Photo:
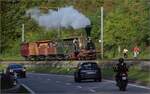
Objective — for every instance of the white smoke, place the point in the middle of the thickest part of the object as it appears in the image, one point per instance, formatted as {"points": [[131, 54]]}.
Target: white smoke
{"points": [[66, 17]]}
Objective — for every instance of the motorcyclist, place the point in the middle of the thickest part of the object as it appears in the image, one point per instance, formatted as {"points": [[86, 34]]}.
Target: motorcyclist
{"points": [[121, 67]]}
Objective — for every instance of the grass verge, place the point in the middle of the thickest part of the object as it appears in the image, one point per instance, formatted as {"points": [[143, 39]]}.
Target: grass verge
{"points": [[47, 69], [135, 74]]}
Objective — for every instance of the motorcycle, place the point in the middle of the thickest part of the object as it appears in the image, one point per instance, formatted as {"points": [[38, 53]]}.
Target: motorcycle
{"points": [[122, 81]]}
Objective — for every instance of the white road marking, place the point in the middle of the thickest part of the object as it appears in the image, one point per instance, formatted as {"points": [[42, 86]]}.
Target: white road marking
{"points": [[130, 84], [139, 86], [92, 90], [94, 87], [57, 81], [68, 83], [30, 90], [79, 86], [48, 79]]}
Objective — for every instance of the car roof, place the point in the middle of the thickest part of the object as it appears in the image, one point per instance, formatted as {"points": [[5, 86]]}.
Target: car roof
{"points": [[87, 62], [14, 65]]}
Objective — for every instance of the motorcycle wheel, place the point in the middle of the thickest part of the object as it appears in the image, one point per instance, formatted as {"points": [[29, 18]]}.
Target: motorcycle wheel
{"points": [[122, 86]]}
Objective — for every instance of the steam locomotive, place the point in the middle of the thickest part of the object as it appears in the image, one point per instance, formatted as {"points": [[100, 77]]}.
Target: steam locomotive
{"points": [[74, 48]]}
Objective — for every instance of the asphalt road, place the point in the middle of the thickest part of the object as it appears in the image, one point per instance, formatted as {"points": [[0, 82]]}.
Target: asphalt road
{"points": [[64, 84]]}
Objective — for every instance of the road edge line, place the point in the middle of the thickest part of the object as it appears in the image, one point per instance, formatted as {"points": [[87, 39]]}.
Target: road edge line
{"points": [[28, 89], [139, 86]]}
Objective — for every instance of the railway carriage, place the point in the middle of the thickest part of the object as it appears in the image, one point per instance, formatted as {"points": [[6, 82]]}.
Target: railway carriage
{"points": [[56, 50]]}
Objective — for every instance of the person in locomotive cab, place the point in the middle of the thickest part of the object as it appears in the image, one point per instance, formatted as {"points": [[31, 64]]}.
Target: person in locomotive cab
{"points": [[76, 46], [121, 67], [90, 44]]}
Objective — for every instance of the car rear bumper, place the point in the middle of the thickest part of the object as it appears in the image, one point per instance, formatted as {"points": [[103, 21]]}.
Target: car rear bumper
{"points": [[89, 76], [20, 73]]}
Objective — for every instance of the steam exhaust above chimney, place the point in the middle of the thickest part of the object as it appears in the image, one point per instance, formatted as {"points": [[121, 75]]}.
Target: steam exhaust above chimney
{"points": [[88, 29]]}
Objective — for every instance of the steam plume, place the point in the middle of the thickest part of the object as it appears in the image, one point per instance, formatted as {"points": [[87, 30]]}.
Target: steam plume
{"points": [[66, 17]]}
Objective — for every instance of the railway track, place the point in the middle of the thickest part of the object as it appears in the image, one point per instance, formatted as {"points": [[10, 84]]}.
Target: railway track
{"points": [[108, 61], [74, 60]]}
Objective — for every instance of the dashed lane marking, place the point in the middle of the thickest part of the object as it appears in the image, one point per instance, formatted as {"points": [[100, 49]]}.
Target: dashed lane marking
{"points": [[48, 79], [92, 90], [57, 81], [79, 87], [68, 83], [94, 87], [129, 84]]}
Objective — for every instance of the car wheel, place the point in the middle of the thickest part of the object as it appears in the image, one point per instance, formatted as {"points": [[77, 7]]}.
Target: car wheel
{"points": [[95, 80], [23, 75], [99, 79], [77, 78]]}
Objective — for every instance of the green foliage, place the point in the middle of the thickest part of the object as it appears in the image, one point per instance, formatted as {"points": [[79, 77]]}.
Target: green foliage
{"points": [[126, 24]]}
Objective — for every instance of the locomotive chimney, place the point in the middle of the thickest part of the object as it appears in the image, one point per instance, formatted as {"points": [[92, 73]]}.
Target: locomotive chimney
{"points": [[88, 29]]}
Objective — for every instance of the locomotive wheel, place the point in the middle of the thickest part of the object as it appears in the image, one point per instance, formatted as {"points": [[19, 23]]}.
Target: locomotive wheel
{"points": [[36, 58], [42, 58], [59, 58], [31, 58], [49, 58], [27, 58]]}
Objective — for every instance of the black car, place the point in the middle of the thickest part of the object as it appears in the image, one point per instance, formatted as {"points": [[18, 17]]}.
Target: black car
{"points": [[7, 81], [16, 69], [87, 70]]}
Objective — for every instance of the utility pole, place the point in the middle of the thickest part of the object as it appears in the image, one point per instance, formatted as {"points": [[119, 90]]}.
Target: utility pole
{"points": [[22, 32], [60, 36], [102, 29]]}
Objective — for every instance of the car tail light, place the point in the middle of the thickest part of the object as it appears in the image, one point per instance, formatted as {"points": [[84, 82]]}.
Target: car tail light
{"points": [[24, 69], [14, 83], [10, 70]]}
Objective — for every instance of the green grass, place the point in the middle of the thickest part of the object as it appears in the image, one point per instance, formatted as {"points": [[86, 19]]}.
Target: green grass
{"points": [[108, 72], [134, 74], [2, 67], [11, 57], [47, 69], [137, 74]]}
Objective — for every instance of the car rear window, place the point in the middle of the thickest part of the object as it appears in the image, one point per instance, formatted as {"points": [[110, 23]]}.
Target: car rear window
{"points": [[89, 66], [15, 66]]}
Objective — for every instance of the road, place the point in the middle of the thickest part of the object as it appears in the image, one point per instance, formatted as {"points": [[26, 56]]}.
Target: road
{"points": [[64, 84]]}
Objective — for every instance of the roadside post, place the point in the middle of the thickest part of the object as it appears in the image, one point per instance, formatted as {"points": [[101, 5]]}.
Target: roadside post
{"points": [[102, 52], [22, 32]]}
